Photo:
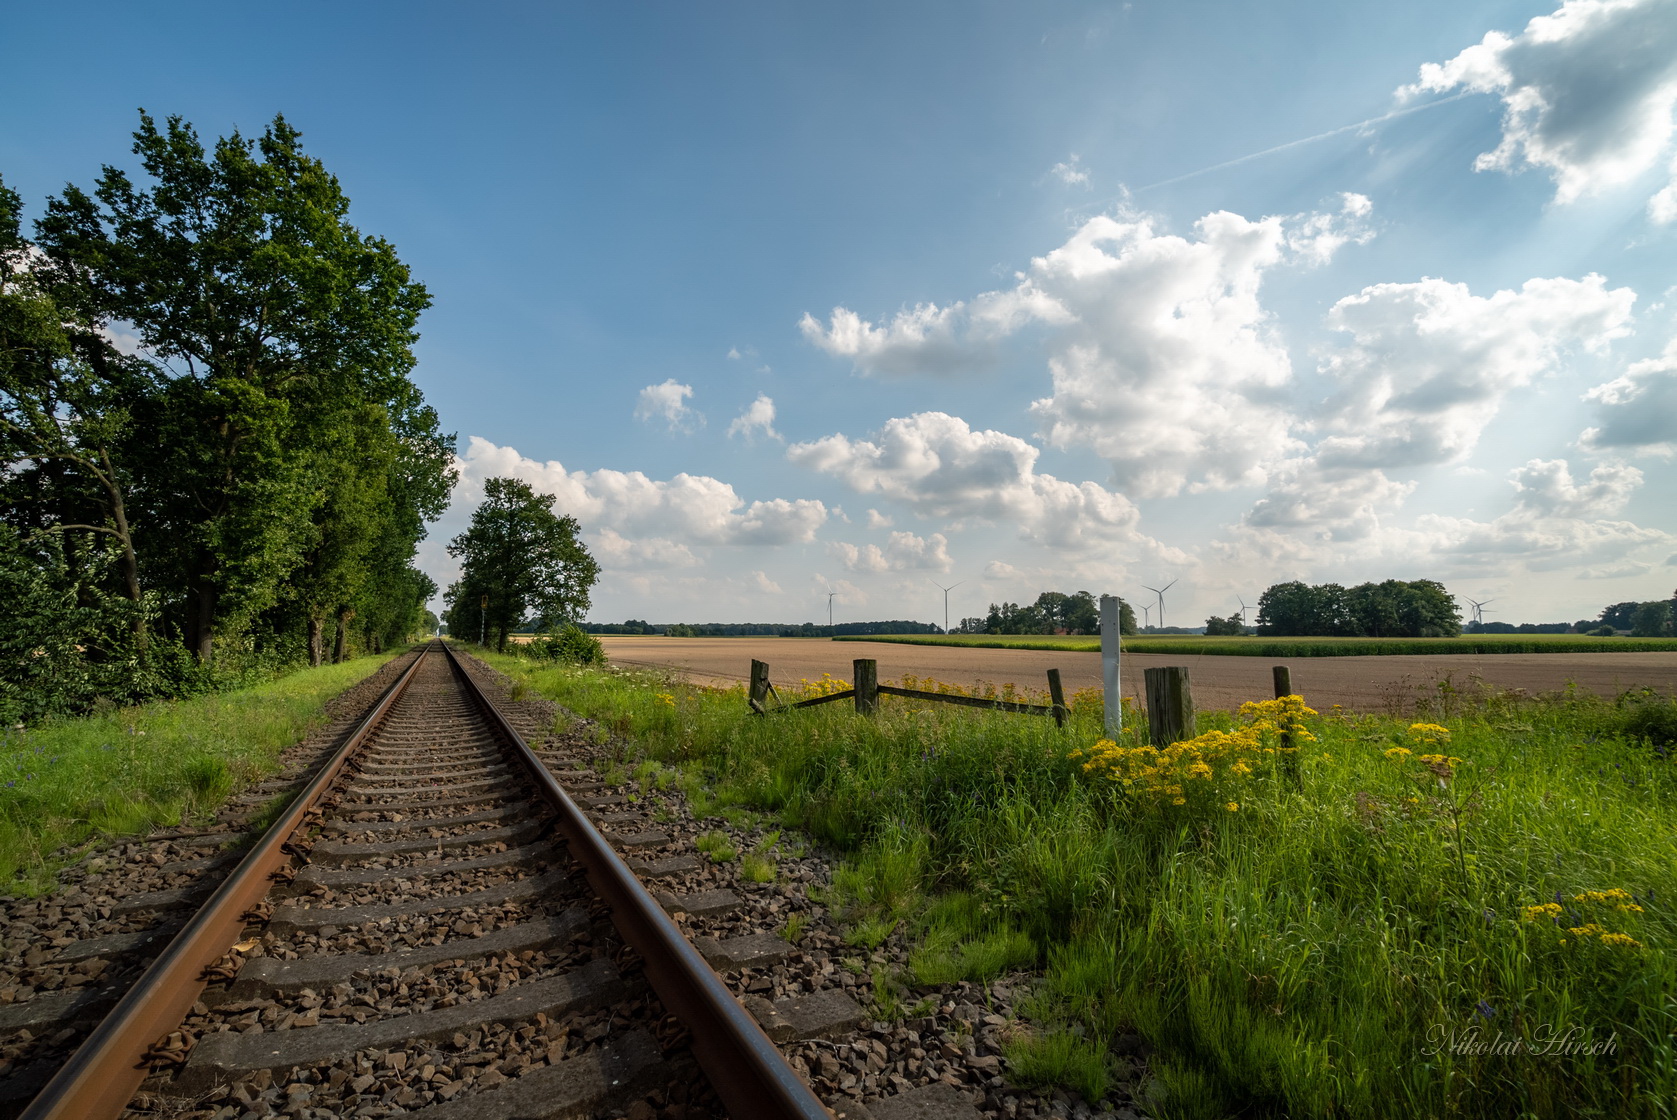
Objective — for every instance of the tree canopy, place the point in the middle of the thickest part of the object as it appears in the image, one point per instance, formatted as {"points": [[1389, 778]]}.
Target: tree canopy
{"points": [[1054, 612], [519, 560], [252, 468], [1391, 609]]}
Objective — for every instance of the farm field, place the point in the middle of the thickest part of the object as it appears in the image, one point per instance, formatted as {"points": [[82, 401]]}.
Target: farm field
{"points": [[1369, 684], [1478, 644]]}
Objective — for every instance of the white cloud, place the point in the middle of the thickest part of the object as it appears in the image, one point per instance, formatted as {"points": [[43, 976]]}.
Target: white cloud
{"points": [[757, 419], [937, 465], [1429, 362], [1070, 173], [1639, 410], [877, 520], [1328, 504], [1587, 91], [669, 402], [683, 511], [1546, 489], [1162, 358], [904, 552]]}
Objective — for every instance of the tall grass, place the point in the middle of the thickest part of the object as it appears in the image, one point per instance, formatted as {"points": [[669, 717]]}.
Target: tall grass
{"points": [[1360, 944], [1293, 647], [128, 770]]}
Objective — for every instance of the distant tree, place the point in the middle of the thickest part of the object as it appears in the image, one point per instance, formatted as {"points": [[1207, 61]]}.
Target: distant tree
{"points": [[1620, 616], [1653, 620], [523, 558], [1391, 609], [1224, 627]]}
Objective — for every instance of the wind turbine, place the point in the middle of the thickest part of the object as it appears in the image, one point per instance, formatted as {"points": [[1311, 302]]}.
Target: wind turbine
{"points": [[1146, 617], [830, 595], [1479, 609], [1160, 592], [946, 591], [1242, 603]]}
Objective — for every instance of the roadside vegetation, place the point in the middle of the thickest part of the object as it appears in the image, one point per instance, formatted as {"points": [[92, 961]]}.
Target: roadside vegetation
{"points": [[1294, 647], [1464, 911], [124, 771]]}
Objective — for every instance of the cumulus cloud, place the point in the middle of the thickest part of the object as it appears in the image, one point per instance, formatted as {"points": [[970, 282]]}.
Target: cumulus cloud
{"points": [[1546, 489], [683, 511], [668, 401], [904, 552], [757, 419], [1587, 92], [1429, 362], [1162, 358], [937, 465], [1639, 410], [1334, 504]]}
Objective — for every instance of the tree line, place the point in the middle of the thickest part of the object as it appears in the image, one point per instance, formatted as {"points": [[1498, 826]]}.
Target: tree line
{"points": [[217, 461], [1054, 612], [1392, 608]]}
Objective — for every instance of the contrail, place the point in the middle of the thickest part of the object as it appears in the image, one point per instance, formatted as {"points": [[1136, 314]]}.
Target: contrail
{"points": [[1307, 140]]}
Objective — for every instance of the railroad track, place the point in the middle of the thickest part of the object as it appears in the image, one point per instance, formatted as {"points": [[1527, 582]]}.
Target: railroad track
{"points": [[435, 928]]}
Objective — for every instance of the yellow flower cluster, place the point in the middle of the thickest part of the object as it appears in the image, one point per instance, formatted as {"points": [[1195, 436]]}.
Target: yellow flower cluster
{"points": [[826, 686], [666, 698], [1429, 734], [983, 690], [1617, 898], [1210, 762]]}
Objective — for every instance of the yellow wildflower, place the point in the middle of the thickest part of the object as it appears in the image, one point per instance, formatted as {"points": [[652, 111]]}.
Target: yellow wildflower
{"points": [[1546, 910], [1589, 929], [1399, 753], [1233, 806], [1620, 940]]}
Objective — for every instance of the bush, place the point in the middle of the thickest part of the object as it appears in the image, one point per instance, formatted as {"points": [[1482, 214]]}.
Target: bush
{"points": [[569, 643], [1604, 632], [1649, 718]]}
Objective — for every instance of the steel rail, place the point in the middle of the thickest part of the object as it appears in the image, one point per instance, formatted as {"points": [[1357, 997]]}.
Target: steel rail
{"points": [[109, 1067], [747, 1071]]}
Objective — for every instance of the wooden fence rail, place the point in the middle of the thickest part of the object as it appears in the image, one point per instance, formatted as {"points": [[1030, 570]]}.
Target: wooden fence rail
{"points": [[867, 691]]}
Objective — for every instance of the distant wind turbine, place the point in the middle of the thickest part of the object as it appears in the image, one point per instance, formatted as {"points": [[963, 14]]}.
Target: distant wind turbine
{"points": [[1479, 609], [1160, 592], [946, 591]]}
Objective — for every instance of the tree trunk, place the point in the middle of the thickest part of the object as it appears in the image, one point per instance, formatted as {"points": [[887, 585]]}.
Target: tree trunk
{"points": [[340, 643], [203, 623], [317, 643]]}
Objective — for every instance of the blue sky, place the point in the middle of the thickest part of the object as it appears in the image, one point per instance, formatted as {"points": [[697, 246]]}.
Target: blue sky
{"points": [[780, 300]]}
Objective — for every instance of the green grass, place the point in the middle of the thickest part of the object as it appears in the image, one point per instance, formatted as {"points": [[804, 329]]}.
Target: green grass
{"points": [[66, 782], [1293, 647], [1327, 949]]}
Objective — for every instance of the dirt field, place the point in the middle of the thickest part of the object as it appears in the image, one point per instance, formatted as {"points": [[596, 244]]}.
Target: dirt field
{"points": [[1360, 683]]}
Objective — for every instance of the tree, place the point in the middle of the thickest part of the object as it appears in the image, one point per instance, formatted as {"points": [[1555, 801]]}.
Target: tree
{"points": [[1391, 609], [523, 558], [1653, 620], [267, 316], [1224, 627], [1620, 616]]}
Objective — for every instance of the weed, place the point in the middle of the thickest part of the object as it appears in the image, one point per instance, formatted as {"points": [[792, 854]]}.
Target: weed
{"points": [[717, 846], [755, 867], [793, 931], [1058, 1057]]}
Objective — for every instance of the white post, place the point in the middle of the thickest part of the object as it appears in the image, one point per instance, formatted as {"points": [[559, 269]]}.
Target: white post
{"points": [[1109, 665]]}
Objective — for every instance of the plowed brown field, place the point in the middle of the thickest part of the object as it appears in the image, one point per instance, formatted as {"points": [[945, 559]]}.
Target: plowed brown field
{"points": [[1371, 684]]}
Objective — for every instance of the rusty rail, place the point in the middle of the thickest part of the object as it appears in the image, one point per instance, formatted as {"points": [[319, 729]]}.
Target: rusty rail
{"points": [[747, 1070], [107, 1069]]}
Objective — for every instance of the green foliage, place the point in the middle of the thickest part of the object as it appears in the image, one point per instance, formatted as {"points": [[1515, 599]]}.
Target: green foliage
{"points": [[1054, 612], [131, 769], [569, 643], [518, 558], [1653, 620], [1392, 609], [1278, 955]]}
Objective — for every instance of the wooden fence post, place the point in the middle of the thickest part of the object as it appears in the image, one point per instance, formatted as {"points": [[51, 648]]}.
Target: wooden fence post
{"points": [[759, 685], [1057, 696], [1170, 705], [867, 686], [1289, 753]]}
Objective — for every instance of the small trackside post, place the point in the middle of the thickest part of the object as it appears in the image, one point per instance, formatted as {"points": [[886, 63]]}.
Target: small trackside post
{"points": [[1170, 705], [759, 686], [1289, 749], [867, 686], [1109, 666], [1057, 697]]}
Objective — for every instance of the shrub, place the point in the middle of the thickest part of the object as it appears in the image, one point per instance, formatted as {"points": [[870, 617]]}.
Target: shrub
{"points": [[569, 643]]}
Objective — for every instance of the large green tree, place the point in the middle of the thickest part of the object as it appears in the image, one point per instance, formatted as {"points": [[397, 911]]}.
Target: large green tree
{"points": [[519, 560], [268, 318]]}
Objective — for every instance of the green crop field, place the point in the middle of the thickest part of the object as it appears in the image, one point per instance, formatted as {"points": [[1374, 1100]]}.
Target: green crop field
{"points": [[1293, 647]]}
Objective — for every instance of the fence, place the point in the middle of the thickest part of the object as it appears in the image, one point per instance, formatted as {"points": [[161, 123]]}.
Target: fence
{"points": [[1170, 700], [868, 690]]}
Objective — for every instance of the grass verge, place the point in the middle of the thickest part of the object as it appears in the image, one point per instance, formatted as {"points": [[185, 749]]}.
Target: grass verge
{"points": [[1467, 913], [1293, 647], [65, 782]]}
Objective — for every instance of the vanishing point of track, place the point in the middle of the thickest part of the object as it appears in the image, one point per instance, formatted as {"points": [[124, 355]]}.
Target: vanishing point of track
{"points": [[533, 976]]}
